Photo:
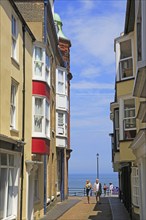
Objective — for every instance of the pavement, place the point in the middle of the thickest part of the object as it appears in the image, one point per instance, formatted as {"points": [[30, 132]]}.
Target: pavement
{"points": [[77, 208]]}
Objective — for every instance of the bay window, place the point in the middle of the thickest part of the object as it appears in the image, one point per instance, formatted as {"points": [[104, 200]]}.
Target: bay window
{"points": [[41, 117], [129, 121]]}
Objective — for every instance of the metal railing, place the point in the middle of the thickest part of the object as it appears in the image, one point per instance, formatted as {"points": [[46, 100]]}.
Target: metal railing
{"points": [[82, 192]]}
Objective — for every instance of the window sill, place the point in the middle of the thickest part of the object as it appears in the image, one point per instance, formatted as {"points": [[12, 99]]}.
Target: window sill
{"points": [[15, 63], [12, 217], [126, 79], [14, 130]]}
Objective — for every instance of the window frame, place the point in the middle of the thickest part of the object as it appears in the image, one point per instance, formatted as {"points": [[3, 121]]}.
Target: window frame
{"points": [[44, 116], [125, 59], [61, 127], [14, 36], [13, 105], [8, 167], [64, 81], [127, 130], [135, 187], [44, 62]]}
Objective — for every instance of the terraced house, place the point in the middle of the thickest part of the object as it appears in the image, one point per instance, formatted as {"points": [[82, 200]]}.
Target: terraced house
{"points": [[35, 123], [128, 111]]}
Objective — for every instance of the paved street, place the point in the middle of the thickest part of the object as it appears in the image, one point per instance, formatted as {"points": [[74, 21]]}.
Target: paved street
{"points": [[77, 208]]}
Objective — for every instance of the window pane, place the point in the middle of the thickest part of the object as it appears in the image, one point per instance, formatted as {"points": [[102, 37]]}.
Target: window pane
{"points": [[4, 159], [126, 50], [38, 53], [11, 160], [126, 68], [10, 192], [3, 182], [60, 76], [60, 119], [38, 117], [38, 106]]}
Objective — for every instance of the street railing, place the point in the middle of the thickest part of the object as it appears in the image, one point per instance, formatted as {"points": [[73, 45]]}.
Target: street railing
{"points": [[82, 192]]}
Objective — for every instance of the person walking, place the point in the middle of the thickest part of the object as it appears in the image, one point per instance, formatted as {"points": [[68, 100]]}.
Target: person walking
{"points": [[97, 190], [111, 189], [88, 187], [104, 189]]}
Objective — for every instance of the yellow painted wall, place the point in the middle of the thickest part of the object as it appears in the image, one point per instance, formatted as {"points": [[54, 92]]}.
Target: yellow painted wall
{"points": [[125, 87], [36, 28], [126, 152]]}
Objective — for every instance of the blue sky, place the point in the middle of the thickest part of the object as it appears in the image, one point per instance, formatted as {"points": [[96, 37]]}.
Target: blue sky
{"points": [[92, 26]]}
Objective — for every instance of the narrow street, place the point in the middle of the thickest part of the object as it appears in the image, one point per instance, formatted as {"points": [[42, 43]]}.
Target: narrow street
{"points": [[77, 208]]}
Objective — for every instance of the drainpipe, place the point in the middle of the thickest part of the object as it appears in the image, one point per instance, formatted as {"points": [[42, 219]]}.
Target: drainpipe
{"points": [[62, 174], [23, 123], [45, 156]]}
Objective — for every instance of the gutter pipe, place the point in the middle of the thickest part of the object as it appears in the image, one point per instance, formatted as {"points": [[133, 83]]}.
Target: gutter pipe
{"points": [[23, 124], [45, 156]]}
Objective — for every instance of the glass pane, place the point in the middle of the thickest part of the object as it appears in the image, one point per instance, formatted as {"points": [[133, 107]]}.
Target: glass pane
{"points": [[126, 50], [4, 159], [38, 106], [126, 68], [60, 76], [38, 123], [10, 192], [47, 110], [47, 128], [60, 87], [38, 53], [60, 119], [11, 160], [3, 182], [38, 68]]}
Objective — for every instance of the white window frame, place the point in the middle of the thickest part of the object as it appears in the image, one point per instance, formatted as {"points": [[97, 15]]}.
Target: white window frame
{"points": [[125, 59], [135, 187], [44, 117], [62, 124], [14, 33], [13, 105], [14, 195], [44, 64], [118, 53], [63, 82]]}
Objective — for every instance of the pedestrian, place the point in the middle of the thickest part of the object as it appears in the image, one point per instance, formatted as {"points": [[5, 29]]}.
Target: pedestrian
{"points": [[111, 189], [88, 187], [104, 189], [97, 190]]}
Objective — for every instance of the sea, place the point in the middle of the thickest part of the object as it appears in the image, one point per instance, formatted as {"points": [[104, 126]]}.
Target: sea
{"points": [[79, 180]]}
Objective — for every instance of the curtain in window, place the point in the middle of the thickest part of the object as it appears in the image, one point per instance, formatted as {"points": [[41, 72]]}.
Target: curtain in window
{"points": [[10, 191], [38, 115]]}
